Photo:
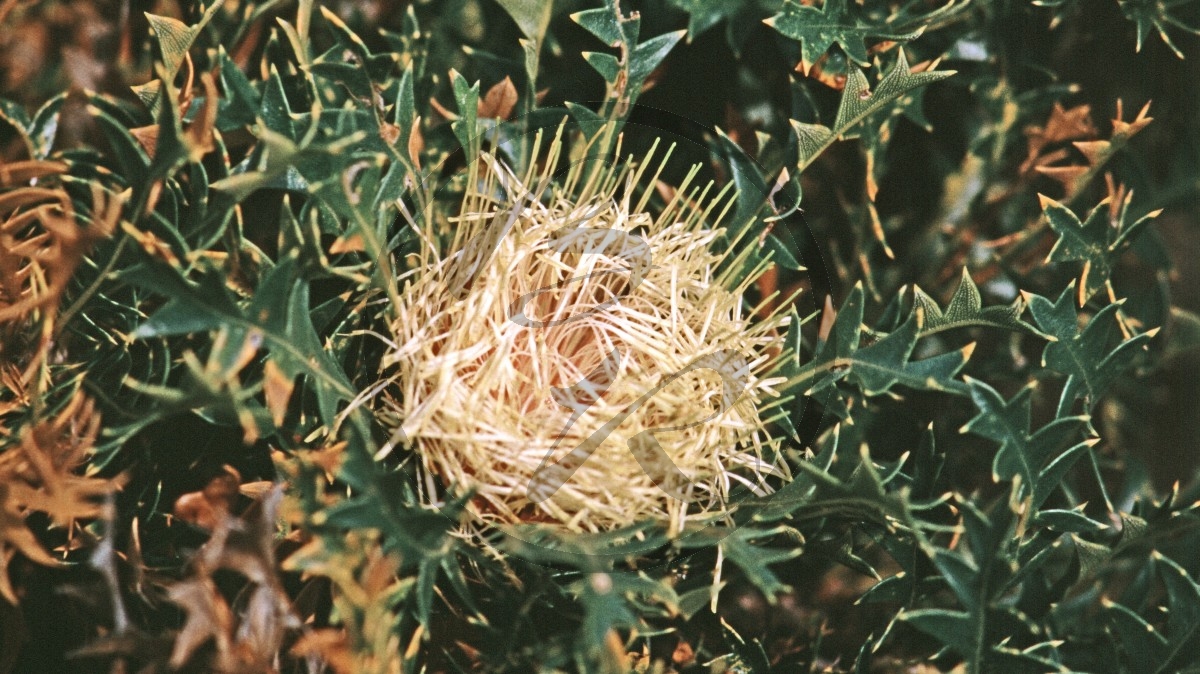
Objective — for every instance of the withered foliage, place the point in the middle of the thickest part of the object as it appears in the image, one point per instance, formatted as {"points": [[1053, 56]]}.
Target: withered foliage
{"points": [[212, 215], [42, 241], [41, 474], [249, 640]]}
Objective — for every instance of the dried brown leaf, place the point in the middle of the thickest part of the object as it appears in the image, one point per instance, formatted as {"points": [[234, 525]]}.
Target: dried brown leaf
{"points": [[499, 101], [330, 645], [252, 638], [208, 617], [416, 143], [147, 137], [154, 246], [210, 506], [347, 244], [1067, 176], [1062, 125], [442, 110], [40, 474], [199, 134], [277, 387], [42, 242], [1126, 129], [1075, 125]]}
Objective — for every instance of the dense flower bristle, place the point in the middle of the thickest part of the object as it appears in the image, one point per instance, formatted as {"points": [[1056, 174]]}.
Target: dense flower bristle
{"points": [[484, 398]]}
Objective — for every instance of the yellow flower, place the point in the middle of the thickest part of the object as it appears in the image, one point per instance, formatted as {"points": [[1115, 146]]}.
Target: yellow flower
{"points": [[534, 356]]}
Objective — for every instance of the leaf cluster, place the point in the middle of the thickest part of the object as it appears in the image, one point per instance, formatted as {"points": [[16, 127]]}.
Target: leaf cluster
{"points": [[201, 256]]}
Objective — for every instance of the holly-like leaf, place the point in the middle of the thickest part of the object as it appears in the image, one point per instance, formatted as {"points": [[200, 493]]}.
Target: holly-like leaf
{"points": [[279, 313], [979, 573], [609, 24], [875, 369], [274, 111], [819, 29], [966, 310], [858, 102], [648, 55], [175, 38], [375, 67], [406, 147], [625, 75], [14, 114], [466, 97], [952, 628], [704, 14], [1183, 612], [531, 16], [886, 363], [752, 202], [1097, 241], [130, 157], [747, 656], [171, 148], [1151, 14], [607, 597], [755, 560], [1068, 521], [1032, 456], [1142, 643], [1084, 355], [1008, 424], [241, 103]]}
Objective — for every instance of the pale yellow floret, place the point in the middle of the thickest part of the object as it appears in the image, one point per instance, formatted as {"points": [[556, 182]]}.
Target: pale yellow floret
{"points": [[475, 389]]}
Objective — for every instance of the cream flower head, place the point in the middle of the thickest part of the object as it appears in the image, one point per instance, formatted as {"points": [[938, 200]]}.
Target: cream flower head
{"points": [[534, 355]]}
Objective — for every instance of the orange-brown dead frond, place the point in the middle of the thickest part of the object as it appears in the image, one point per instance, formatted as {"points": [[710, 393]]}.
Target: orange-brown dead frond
{"points": [[42, 474], [42, 242], [249, 639], [1075, 125]]}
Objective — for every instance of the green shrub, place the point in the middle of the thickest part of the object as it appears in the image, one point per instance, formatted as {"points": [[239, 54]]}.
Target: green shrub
{"points": [[972, 295]]}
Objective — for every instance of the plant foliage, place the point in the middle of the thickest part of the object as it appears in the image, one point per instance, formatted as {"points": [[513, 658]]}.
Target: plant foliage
{"points": [[208, 213]]}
